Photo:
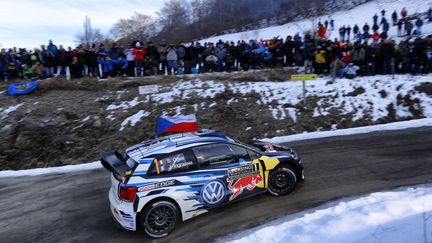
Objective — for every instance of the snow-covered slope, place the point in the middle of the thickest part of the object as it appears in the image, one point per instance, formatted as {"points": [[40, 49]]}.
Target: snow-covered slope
{"points": [[396, 216], [358, 15]]}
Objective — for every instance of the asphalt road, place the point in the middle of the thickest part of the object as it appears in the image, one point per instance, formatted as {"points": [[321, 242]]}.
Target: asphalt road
{"points": [[74, 207]]}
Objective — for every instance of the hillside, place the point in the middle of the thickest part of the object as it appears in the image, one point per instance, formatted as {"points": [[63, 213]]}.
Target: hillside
{"points": [[357, 15], [68, 122]]}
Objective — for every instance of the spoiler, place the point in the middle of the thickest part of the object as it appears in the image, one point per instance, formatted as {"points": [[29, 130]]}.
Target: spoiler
{"points": [[114, 162]]}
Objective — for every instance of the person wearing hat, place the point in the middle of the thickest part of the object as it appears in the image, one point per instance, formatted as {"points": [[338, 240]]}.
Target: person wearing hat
{"points": [[139, 53]]}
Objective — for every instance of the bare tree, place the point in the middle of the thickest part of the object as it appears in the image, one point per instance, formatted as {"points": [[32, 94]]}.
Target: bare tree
{"points": [[90, 35], [139, 26]]}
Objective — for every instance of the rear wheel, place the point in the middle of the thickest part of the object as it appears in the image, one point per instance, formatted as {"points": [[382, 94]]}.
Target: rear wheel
{"points": [[282, 181], [160, 218]]}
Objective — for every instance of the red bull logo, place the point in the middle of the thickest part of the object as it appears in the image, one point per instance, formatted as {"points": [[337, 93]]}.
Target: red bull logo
{"points": [[248, 182]]}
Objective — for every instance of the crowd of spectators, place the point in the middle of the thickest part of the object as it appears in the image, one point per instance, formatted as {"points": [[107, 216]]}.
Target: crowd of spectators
{"points": [[366, 52]]}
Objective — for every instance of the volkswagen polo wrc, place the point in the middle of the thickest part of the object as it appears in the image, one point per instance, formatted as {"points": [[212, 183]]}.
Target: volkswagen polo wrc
{"points": [[158, 183]]}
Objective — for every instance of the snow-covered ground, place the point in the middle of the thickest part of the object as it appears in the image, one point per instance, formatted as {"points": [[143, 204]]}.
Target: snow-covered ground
{"points": [[403, 215], [364, 97], [358, 15]]}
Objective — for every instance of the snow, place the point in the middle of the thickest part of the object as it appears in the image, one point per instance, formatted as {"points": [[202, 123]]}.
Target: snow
{"points": [[4, 112], [358, 15], [51, 170], [403, 215], [351, 131], [380, 92], [132, 120], [124, 105]]}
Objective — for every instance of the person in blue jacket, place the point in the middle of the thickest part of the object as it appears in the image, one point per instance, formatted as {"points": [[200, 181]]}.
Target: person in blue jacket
{"points": [[107, 66], [120, 65]]}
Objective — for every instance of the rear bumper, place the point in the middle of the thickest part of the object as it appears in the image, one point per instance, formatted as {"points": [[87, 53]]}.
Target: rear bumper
{"points": [[122, 212]]}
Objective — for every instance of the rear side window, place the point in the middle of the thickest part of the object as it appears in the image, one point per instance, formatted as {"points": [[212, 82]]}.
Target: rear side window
{"points": [[214, 154]]}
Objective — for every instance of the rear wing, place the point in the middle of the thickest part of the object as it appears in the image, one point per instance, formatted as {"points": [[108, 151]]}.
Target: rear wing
{"points": [[114, 162]]}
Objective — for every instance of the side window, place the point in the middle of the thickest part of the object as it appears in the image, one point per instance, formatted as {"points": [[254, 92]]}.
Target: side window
{"points": [[179, 161], [253, 155], [241, 153], [214, 154]]}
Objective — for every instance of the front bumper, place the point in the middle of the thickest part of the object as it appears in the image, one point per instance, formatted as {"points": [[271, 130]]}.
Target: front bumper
{"points": [[121, 211]]}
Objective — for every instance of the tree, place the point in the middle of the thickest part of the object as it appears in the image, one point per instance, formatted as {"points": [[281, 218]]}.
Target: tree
{"points": [[139, 26], [90, 35]]}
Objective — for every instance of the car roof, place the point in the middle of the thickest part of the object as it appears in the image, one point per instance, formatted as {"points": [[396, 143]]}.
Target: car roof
{"points": [[176, 142]]}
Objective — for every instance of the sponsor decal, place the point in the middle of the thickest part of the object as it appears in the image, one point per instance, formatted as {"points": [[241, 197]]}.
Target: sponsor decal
{"points": [[213, 192], [156, 185], [249, 182], [243, 171], [239, 178]]}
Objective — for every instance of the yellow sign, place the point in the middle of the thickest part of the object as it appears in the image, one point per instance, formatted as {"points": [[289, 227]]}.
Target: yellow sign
{"points": [[303, 77]]}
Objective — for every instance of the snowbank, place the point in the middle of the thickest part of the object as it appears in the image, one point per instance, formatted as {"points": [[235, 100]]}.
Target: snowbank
{"points": [[395, 216], [351, 131], [42, 171]]}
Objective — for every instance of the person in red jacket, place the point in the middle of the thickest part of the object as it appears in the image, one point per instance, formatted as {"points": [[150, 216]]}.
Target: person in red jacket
{"points": [[139, 53], [375, 37]]}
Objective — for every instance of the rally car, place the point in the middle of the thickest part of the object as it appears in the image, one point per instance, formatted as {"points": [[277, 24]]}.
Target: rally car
{"points": [[163, 181]]}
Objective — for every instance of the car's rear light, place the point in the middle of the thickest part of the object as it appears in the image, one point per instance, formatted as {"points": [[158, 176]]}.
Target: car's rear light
{"points": [[128, 193]]}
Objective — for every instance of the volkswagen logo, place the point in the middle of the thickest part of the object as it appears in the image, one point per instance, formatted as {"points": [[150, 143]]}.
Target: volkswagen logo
{"points": [[213, 192]]}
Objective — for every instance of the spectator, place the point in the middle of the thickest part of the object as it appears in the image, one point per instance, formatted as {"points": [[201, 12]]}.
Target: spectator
{"points": [[356, 31], [383, 12], [93, 61], [171, 59], [419, 24], [348, 32], [107, 67], [350, 71], [63, 62], [139, 54], [128, 52], [211, 62], [399, 28], [332, 24], [366, 29], [408, 27], [394, 17], [387, 54], [342, 31], [320, 60], [358, 55], [404, 13], [38, 70], [120, 66], [162, 50], [48, 61], [375, 19]]}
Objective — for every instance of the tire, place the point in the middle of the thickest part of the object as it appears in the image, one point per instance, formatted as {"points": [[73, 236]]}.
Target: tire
{"points": [[159, 219], [282, 181]]}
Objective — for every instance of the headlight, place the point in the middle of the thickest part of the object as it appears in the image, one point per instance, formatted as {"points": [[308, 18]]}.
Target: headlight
{"points": [[294, 154]]}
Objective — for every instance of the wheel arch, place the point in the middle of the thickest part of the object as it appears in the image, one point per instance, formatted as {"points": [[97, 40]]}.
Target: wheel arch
{"points": [[157, 199], [294, 165]]}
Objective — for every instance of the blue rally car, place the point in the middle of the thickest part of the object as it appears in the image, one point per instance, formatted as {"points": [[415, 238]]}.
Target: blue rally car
{"points": [[160, 182]]}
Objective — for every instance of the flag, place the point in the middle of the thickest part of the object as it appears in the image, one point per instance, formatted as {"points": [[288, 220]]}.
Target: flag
{"points": [[187, 123]]}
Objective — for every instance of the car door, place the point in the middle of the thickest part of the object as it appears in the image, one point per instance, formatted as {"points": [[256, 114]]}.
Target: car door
{"points": [[232, 174], [246, 177]]}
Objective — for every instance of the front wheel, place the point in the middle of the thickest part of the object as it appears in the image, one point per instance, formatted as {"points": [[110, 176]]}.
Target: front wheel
{"points": [[281, 181], [160, 218]]}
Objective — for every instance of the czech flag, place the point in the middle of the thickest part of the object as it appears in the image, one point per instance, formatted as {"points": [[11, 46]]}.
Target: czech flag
{"points": [[187, 123]]}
